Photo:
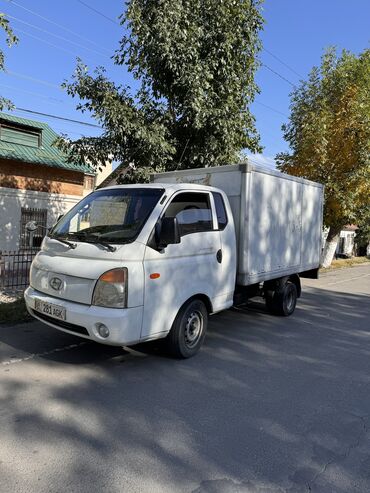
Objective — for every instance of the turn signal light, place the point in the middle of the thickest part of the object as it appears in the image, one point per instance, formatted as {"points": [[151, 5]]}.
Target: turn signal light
{"points": [[114, 275]]}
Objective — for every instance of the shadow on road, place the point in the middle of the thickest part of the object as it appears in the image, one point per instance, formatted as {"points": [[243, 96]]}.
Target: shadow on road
{"points": [[272, 401]]}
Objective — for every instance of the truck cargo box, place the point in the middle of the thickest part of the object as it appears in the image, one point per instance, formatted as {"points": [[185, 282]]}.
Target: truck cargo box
{"points": [[278, 217]]}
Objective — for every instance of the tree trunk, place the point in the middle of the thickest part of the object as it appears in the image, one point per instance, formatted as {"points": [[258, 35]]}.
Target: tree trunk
{"points": [[330, 247]]}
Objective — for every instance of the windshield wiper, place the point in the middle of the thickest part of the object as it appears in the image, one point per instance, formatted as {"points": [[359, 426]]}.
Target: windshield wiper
{"points": [[66, 242], [94, 240], [109, 247]]}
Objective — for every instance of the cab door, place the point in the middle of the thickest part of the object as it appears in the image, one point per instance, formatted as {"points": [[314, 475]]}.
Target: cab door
{"points": [[182, 270], [227, 274]]}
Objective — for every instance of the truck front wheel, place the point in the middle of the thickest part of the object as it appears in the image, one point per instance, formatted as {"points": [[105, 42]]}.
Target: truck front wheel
{"points": [[282, 301], [188, 330]]}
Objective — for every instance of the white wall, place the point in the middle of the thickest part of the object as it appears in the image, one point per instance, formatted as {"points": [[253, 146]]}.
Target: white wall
{"points": [[11, 201], [348, 244], [106, 171]]}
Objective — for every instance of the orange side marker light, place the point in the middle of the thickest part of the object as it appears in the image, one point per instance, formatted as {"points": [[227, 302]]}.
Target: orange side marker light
{"points": [[155, 275]]}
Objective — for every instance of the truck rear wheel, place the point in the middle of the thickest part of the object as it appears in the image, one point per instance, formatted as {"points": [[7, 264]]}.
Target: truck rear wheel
{"points": [[283, 301], [188, 330]]}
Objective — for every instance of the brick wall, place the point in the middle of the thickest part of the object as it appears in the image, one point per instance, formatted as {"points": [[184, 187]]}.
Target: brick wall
{"points": [[28, 176]]}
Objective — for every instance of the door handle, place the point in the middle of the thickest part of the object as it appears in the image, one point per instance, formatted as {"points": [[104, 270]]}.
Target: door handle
{"points": [[219, 256]]}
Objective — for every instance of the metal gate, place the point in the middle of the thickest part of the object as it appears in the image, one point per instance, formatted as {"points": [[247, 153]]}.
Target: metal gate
{"points": [[32, 239], [15, 268]]}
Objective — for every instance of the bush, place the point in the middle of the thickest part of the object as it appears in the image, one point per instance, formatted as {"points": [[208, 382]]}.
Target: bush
{"points": [[15, 311]]}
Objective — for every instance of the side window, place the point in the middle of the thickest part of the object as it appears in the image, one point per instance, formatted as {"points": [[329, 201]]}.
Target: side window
{"points": [[193, 212], [220, 210]]}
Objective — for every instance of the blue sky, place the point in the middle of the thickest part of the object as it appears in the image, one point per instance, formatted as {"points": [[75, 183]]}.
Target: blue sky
{"points": [[294, 37]]}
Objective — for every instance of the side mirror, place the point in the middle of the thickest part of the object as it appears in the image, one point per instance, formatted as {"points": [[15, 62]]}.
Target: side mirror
{"points": [[31, 226], [167, 232]]}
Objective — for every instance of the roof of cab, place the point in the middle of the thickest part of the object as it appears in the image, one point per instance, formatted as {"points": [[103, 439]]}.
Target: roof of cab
{"points": [[166, 186]]}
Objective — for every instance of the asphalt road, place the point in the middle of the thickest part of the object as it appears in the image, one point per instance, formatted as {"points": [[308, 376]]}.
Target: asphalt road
{"points": [[269, 405]]}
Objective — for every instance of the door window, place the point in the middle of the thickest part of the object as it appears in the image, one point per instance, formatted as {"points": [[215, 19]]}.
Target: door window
{"points": [[193, 212], [220, 211]]}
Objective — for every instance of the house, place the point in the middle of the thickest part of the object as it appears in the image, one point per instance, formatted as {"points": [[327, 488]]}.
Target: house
{"points": [[36, 181], [346, 243]]}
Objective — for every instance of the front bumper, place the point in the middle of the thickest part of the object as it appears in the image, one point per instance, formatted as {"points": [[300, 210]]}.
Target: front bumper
{"points": [[124, 324]]}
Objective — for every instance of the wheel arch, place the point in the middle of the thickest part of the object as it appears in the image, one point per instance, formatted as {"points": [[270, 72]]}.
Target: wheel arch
{"points": [[181, 342], [203, 297], [199, 296], [279, 283]]}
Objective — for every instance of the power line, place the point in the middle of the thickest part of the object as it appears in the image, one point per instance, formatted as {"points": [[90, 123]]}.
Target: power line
{"points": [[44, 41], [98, 12], [117, 23], [279, 75], [56, 35], [55, 86], [64, 131], [56, 117], [53, 22], [33, 79], [40, 81], [55, 128], [271, 108], [282, 62], [51, 122], [37, 94]]}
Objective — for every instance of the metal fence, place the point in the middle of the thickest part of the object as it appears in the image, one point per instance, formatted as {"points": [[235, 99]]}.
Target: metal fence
{"points": [[15, 268]]}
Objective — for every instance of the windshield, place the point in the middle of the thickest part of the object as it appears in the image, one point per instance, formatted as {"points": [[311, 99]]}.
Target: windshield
{"points": [[108, 215]]}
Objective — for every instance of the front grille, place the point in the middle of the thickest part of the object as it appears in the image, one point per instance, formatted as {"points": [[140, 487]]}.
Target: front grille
{"points": [[61, 323]]}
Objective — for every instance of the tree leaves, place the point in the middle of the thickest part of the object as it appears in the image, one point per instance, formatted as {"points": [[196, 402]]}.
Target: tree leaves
{"points": [[329, 134], [10, 40], [195, 61]]}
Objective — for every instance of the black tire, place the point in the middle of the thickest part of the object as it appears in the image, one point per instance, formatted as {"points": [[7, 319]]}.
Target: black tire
{"points": [[282, 302], [188, 330]]}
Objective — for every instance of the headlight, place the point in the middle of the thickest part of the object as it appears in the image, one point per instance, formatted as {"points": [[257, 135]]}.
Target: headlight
{"points": [[111, 289]]}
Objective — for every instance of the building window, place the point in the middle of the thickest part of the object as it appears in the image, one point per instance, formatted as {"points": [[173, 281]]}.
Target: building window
{"points": [[32, 239], [26, 136], [89, 182]]}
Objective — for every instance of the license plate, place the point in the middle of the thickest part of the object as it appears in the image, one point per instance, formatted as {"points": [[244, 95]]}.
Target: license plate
{"points": [[50, 309]]}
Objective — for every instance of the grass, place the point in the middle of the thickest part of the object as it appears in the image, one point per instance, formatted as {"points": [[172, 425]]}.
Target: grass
{"points": [[14, 312], [341, 263]]}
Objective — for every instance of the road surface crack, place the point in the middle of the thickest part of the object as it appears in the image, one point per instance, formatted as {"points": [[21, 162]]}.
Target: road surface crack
{"points": [[347, 452]]}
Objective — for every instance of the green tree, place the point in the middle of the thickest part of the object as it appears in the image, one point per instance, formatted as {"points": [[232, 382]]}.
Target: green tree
{"points": [[194, 62], [362, 239], [329, 136], [10, 40]]}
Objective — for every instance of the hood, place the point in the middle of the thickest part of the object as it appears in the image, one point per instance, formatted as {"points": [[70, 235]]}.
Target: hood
{"points": [[71, 274]]}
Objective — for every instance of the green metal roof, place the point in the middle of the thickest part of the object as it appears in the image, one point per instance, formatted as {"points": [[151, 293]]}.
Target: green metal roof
{"points": [[47, 154]]}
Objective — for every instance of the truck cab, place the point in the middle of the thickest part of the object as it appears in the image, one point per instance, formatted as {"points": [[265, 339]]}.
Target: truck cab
{"points": [[134, 263]]}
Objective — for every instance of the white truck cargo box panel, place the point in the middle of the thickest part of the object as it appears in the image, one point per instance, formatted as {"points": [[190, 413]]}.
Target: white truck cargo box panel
{"points": [[278, 217]]}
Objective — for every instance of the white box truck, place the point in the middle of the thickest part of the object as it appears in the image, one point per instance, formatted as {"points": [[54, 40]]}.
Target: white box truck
{"points": [[133, 263]]}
